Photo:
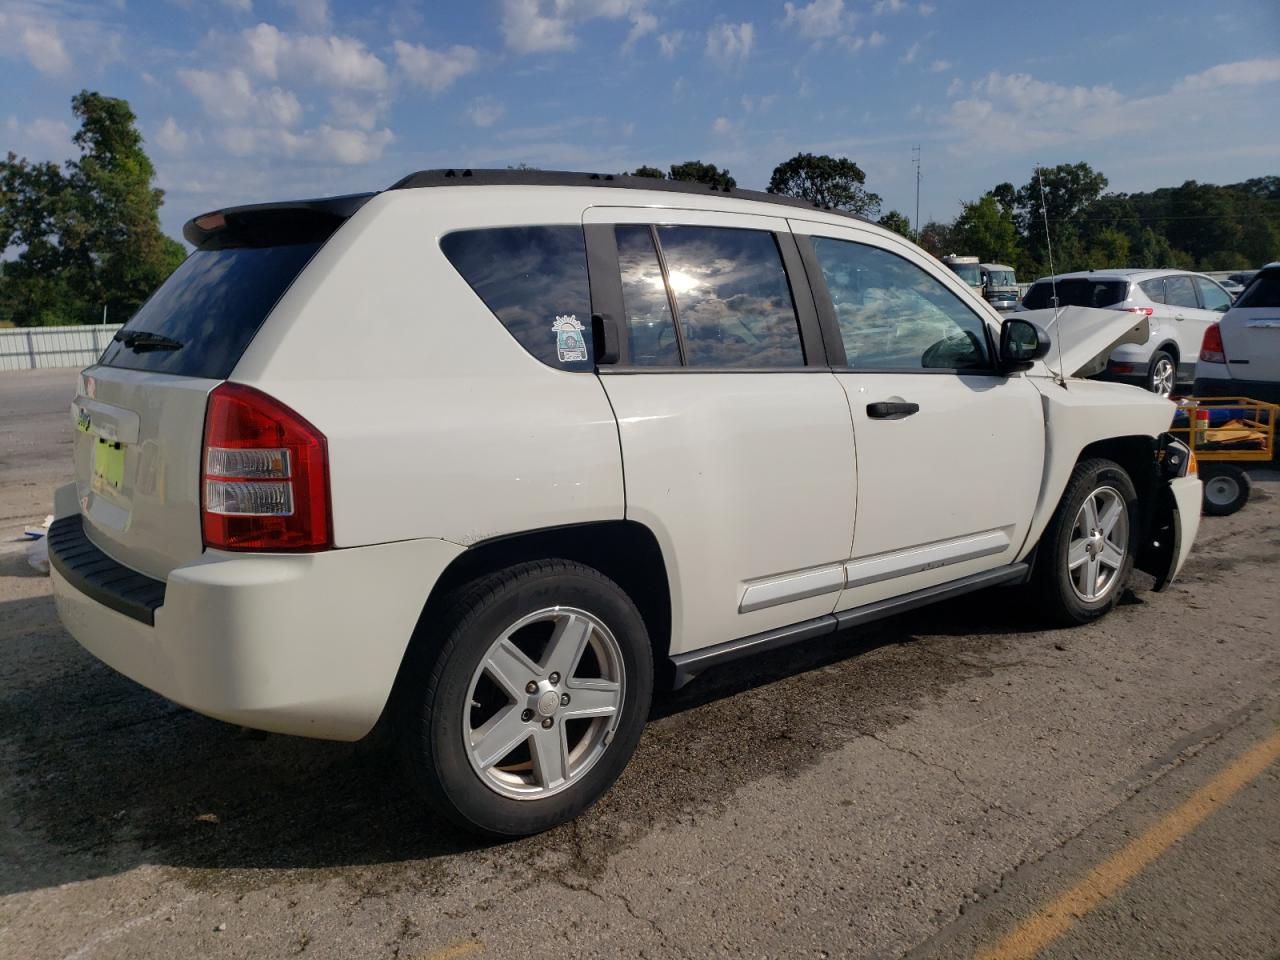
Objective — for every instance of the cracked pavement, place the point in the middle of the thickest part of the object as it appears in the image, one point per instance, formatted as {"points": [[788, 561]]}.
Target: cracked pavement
{"points": [[915, 786]]}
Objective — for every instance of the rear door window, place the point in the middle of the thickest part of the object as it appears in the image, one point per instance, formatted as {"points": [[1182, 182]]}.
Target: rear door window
{"points": [[733, 301], [211, 307], [651, 330], [534, 280], [1180, 292], [1264, 291]]}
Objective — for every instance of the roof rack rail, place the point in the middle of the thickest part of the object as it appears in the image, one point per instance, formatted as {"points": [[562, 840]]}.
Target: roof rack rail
{"points": [[566, 178]]}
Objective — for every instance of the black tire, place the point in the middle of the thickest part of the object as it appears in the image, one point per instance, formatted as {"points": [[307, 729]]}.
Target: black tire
{"points": [[1161, 362], [433, 695], [1226, 488], [1052, 582]]}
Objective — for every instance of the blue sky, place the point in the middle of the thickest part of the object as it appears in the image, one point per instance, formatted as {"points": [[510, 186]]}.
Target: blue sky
{"points": [[246, 100]]}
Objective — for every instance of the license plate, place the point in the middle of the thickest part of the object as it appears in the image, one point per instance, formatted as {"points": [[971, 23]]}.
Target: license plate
{"points": [[108, 466]]}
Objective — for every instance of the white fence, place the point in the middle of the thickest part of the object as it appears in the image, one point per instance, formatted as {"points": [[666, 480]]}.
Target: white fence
{"points": [[31, 348]]}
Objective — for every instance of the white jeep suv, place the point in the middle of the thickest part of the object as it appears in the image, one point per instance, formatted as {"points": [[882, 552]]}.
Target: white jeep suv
{"points": [[1180, 305], [492, 453]]}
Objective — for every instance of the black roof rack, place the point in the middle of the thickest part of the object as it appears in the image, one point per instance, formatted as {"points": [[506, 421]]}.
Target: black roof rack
{"points": [[565, 178]]}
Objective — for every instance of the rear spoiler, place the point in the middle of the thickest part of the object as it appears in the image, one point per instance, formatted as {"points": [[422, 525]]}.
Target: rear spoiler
{"points": [[272, 224]]}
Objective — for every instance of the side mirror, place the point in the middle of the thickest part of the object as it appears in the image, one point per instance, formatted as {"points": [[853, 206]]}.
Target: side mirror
{"points": [[1021, 344]]}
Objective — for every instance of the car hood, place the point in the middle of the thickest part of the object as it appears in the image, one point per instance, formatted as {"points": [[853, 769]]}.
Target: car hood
{"points": [[1081, 338]]}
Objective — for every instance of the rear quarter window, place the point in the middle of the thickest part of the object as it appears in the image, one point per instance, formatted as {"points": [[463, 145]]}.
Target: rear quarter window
{"points": [[534, 280], [1076, 292], [212, 305], [1264, 291]]}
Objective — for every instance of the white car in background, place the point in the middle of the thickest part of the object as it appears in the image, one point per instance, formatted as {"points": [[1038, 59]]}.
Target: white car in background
{"points": [[1181, 307], [1240, 354]]}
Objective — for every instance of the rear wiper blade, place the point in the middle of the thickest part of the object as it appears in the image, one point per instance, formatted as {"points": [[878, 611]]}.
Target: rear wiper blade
{"points": [[145, 340]]}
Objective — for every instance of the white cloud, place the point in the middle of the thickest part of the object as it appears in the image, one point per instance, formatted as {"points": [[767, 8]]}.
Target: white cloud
{"points": [[913, 51], [435, 70], [239, 6], [643, 23], [954, 88], [353, 146], [485, 111], [729, 45], [335, 61], [231, 96], [40, 41], [877, 39], [853, 43], [326, 143], [312, 14], [819, 20], [940, 66], [172, 139], [348, 111], [1242, 73], [44, 137], [927, 9], [669, 43], [888, 6], [723, 126]]}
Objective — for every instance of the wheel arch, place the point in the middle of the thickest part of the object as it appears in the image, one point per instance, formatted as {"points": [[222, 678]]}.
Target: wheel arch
{"points": [[1170, 347], [625, 551]]}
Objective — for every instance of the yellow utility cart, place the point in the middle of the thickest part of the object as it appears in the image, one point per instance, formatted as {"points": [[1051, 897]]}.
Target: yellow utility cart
{"points": [[1223, 433]]}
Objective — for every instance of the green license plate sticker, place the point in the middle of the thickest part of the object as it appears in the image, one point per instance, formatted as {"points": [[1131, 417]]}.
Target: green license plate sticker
{"points": [[108, 465], [82, 420]]}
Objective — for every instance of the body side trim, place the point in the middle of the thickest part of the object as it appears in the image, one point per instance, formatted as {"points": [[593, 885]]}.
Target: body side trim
{"points": [[792, 586], [902, 563]]}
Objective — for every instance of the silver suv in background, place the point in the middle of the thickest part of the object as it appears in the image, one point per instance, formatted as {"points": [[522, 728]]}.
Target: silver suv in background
{"points": [[1180, 305]]}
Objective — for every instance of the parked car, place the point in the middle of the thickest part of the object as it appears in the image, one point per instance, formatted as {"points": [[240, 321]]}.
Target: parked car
{"points": [[1232, 287], [1240, 354], [1181, 306], [490, 454]]}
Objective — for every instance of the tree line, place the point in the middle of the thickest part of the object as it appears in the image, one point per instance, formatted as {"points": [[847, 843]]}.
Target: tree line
{"points": [[83, 240]]}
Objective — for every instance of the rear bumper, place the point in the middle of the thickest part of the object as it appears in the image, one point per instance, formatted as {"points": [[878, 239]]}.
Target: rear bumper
{"points": [[307, 644]]}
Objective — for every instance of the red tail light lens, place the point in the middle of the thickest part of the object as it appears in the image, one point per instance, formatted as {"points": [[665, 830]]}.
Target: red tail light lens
{"points": [[1211, 349], [264, 475], [1145, 311]]}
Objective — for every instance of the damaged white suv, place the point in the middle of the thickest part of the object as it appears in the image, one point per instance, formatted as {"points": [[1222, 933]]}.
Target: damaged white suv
{"points": [[493, 453]]}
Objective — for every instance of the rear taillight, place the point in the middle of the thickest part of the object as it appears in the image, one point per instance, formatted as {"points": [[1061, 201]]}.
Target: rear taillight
{"points": [[1211, 349], [264, 476], [1145, 311]]}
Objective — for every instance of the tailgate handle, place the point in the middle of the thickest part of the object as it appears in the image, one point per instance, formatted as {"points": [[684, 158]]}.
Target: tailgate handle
{"points": [[891, 409]]}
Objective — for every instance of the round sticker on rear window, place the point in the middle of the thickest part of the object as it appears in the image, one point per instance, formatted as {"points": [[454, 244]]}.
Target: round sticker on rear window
{"points": [[571, 346]]}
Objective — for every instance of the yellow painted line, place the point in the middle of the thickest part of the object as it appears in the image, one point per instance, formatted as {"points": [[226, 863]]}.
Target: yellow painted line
{"points": [[466, 948], [1052, 921]]}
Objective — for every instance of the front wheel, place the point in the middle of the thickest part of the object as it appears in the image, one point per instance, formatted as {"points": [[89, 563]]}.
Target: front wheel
{"points": [[532, 703], [1087, 551]]}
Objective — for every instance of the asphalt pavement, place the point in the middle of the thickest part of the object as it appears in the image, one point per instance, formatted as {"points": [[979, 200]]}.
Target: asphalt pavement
{"points": [[957, 782]]}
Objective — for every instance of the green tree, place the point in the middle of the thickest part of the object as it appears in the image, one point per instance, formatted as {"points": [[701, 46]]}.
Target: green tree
{"points": [[937, 238], [985, 231], [898, 223], [651, 172], [1069, 190], [699, 172], [833, 182], [88, 237]]}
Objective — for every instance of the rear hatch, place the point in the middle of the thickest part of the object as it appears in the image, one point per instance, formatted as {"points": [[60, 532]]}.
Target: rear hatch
{"points": [[1251, 329], [139, 412]]}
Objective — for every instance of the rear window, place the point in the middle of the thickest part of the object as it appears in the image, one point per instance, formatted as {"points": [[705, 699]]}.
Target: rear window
{"points": [[212, 306], [1264, 291], [534, 279], [1076, 292]]}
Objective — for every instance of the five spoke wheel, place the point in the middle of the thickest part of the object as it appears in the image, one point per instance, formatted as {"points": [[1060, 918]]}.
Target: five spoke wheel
{"points": [[544, 702], [1099, 541]]}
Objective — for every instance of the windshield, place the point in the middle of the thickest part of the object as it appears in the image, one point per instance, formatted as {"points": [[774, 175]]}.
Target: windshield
{"points": [[1076, 292], [968, 272], [1002, 278]]}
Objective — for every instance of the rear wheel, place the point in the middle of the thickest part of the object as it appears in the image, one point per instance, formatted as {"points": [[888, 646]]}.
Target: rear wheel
{"points": [[1226, 488], [534, 701], [1162, 374], [1087, 552]]}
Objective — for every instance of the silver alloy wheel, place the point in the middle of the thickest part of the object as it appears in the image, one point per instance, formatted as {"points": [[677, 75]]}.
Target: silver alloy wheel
{"points": [[1163, 374], [1221, 490], [1099, 541], [524, 748]]}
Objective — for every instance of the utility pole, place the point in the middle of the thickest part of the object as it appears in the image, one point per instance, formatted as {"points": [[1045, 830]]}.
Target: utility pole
{"points": [[915, 158]]}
